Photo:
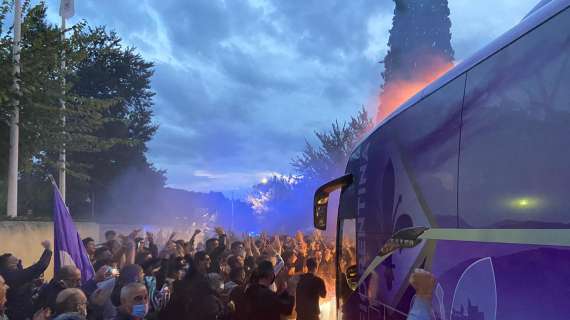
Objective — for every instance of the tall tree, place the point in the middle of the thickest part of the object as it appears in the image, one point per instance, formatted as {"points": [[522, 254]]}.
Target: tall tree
{"points": [[109, 113], [421, 32], [41, 130], [419, 49], [112, 71], [327, 159]]}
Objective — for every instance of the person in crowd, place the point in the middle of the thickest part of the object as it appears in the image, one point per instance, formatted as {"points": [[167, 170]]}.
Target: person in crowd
{"points": [[309, 289], [238, 249], [424, 283], [110, 235], [71, 300], [249, 265], [262, 303], [234, 261], [70, 316], [102, 253], [179, 279], [235, 289], [132, 273], [290, 258], [326, 266], [134, 302], [66, 277], [90, 247], [209, 304], [3, 289], [237, 278], [188, 291], [19, 303], [215, 248]]}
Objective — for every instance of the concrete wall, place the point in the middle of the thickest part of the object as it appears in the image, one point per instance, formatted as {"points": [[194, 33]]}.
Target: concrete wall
{"points": [[23, 239]]}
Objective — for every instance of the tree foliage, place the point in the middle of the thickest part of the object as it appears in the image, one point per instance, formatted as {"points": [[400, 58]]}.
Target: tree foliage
{"points": [[108, 109], [420, 36], [285, 203], [327, 159]]}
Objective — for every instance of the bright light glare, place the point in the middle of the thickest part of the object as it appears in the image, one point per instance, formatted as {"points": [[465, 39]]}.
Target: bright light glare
{"points": [[264, 181], [328, 309], [524, 203]]}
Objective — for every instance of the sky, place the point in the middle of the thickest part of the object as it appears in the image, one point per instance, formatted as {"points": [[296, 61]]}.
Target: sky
{"points": [[241, 85]]}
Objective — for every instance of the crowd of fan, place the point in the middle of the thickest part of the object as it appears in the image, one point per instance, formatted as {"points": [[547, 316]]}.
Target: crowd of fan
{"points": [[223, 277]]}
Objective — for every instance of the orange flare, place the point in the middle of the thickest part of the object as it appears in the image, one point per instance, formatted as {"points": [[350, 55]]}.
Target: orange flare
{"points": [[397, 92]]}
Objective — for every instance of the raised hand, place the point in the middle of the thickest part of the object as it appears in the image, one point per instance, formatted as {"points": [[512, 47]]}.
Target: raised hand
{"points": [[46, 244], [42, 314], [134, 234], [219, 231], [150, 237], [277, 245], [424, 283]]}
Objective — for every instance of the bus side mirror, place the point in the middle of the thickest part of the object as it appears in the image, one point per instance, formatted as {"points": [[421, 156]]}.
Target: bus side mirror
{"points": [[403, 239], [321, 200]]}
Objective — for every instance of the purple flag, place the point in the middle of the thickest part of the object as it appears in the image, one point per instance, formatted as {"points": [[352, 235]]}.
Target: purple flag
{"points": [[69, 249]]}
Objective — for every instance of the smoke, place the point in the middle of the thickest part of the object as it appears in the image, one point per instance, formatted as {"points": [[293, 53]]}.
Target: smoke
{"points": [[399, 90], [136, 197]]}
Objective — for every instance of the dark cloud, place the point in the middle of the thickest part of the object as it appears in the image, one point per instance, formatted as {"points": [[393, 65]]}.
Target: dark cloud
{"points": [[241, 84]]}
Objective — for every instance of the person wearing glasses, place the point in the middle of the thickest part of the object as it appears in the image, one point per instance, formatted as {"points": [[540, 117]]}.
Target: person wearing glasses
{"points": [[66, 277]]}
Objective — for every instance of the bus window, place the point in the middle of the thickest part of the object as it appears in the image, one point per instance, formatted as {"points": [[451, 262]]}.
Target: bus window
{"points": [[347, 245], [346, 258], [515, 141]]}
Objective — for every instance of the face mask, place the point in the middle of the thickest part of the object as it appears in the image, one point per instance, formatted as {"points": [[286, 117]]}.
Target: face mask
{"points": [[139, 310]]}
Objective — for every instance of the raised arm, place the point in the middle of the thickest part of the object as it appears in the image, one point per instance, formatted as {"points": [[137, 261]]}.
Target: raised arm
{"points": [[424, 283], [34, 271]]}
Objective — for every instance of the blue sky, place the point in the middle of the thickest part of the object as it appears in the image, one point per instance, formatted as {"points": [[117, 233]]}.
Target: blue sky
{"points": [[241, 84]]}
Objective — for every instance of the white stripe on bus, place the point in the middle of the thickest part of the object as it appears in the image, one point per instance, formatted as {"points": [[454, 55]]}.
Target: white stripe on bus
{"points": [[544, 237]]}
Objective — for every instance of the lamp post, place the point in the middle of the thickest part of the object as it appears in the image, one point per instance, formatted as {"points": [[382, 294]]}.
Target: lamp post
{"points": [[12, 203]]}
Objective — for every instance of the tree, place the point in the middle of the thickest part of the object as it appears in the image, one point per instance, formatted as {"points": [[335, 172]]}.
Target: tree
{"points": [[326, 161], [285, 203], [111, 71], [42, 133], [419, 50], [420, 32], [109, 111]]}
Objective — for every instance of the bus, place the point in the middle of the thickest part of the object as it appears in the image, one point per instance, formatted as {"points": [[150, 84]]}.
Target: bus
{"points": [[470, 180]]}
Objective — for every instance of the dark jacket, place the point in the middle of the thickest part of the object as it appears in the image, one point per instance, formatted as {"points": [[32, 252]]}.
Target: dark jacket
{"points": [[237, 296], [19, 304], [48, 294], [264, 304], [216, 255], [192, 298], [309, 289], [122, 316]]}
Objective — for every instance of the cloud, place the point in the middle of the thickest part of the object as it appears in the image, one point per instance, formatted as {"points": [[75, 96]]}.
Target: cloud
{"points": [[241, 84], [473, 24]]}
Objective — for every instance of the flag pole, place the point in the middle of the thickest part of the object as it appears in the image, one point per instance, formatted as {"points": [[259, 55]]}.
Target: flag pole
{"points": [[52, 180], [12, 201], [62, 153]]}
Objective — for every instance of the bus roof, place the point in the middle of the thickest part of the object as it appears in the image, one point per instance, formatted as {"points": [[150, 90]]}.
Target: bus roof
{"points": [[542, 12]]}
